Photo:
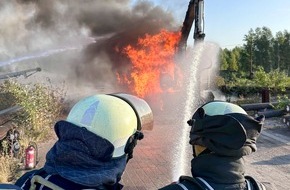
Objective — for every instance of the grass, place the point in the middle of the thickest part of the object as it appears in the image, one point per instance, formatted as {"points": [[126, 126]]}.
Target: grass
{"points": [[8, 168]]}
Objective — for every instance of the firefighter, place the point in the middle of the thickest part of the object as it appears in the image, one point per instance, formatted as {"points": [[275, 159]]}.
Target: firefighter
{"points": [[221, 135], [94, 144]]}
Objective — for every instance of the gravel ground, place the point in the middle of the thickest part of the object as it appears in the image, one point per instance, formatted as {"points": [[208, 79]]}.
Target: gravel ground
{"points": [[276, 125], [271, 162]]}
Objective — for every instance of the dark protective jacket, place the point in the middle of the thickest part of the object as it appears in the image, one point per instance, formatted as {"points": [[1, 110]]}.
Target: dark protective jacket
{"points": [[228, 139], [24, 183], [190, 183], [215, 172], [79, 160]]}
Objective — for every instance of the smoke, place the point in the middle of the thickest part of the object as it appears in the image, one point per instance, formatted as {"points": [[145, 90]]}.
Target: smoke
{"points": [[30, 26]]}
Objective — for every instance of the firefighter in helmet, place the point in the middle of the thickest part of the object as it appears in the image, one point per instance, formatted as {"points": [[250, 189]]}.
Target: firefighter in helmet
{"points": [[94, 144], [221, 135]]}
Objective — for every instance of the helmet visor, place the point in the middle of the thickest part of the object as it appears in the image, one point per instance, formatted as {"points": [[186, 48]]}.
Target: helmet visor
{"points": [[142, 110], [222, 108]]}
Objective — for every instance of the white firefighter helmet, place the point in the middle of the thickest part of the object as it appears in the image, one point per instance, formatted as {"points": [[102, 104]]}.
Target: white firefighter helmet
{"points": [[222, 108], [108, 117], [225, 128]]}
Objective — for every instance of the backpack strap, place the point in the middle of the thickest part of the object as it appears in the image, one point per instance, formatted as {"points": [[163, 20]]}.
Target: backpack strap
{"points": [[36, 179], [252, 184], [196, 182], [208, 187], [24, 181], [43, 182], [182, 186]]}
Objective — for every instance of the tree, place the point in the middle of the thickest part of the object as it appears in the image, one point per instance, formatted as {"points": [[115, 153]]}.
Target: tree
{"points": [[263, 48], [260, 49], [224, 60], [248, 52], [281, 54], [235, 56]]}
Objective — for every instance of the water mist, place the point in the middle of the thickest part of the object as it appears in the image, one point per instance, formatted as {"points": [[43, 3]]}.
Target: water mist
{"points": [[196, 65]]}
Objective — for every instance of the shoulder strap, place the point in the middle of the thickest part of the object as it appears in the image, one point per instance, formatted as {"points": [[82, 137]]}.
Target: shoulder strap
{"points": [[36, 179], [25, 178], [208, 187], [252, 184], [198, 182], [44, 182]]}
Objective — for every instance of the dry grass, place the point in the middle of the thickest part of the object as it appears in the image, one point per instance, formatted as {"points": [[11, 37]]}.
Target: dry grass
{"points": [[8, 168]]}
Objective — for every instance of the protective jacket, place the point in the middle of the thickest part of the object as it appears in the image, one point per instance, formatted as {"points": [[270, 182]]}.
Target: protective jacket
{"points": [[228, 134], [213, 172], [190, 183], [73, 163]]}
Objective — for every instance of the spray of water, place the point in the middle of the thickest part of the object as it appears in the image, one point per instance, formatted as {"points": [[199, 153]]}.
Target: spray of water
{"points": [[47, 53], [190, 102], [36, 55]]}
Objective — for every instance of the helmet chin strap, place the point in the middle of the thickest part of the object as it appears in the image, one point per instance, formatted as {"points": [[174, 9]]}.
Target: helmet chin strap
{"points": [[131, 143]]}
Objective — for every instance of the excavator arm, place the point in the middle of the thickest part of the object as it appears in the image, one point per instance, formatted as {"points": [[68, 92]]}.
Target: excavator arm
{"points": [[194, 13], [199, 21]]}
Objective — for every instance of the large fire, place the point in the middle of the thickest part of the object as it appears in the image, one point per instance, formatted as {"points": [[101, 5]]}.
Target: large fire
{"points": [[153, 67]]}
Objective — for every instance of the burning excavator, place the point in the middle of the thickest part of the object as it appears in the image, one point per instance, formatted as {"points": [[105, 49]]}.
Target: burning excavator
{"points": [[155, 67], [161, 63]]}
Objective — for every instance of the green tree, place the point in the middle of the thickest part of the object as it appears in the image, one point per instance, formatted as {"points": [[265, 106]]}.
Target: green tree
{"points": [[282, 49], [235, 56], [224, 60], [263, 48], [248, 56]]}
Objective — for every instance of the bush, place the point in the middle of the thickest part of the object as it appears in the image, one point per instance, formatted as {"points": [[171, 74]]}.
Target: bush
{"points": [[41, 107], [276, 81], [283, 101]]}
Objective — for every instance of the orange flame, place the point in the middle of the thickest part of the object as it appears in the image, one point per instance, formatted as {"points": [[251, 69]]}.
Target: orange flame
{"points": [[152, 59]]}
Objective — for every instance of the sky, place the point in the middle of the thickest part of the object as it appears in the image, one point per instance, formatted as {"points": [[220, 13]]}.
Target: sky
{"points": [[228, 21]]}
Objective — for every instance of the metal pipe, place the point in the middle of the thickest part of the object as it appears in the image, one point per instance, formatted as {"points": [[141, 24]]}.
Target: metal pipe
{"points": [[19, 73]]}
